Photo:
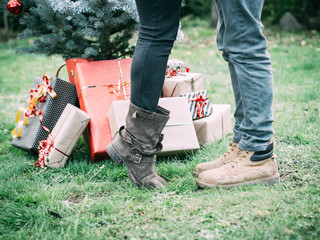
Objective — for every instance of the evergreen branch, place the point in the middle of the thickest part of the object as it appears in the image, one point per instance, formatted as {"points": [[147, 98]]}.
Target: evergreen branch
{"points": [[102, 32]]}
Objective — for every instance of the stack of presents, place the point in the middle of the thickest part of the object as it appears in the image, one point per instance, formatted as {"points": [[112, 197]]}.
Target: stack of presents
{"points": [[94, 103]]}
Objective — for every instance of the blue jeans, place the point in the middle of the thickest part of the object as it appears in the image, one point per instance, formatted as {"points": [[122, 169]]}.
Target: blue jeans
{"points": [[239, 37], [244, 47]]}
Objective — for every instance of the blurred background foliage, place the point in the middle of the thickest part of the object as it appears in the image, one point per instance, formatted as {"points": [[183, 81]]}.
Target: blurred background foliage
{"points": [[273, 10], [196, 8], [302, 10]]}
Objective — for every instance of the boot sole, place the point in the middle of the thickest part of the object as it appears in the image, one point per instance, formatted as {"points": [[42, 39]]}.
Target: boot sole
{"points": [[114, 154], [116, 157], [269, 181]]}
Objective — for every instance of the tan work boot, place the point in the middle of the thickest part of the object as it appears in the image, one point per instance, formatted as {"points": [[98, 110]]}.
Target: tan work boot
{"points": [[224, 159], [241, 171]]}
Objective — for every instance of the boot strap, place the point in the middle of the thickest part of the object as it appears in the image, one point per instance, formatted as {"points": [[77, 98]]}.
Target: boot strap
{"points": [[135, 156], [127, 137]]}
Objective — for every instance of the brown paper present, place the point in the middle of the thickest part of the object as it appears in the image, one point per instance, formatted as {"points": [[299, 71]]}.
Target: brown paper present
{"points": [[179, 132], [214, 127], [178, 65], [182, 83], [65, 135], [51, 109]]}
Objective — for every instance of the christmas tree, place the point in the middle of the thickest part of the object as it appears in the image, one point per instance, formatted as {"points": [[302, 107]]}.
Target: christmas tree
{"points": [[80, 28]]}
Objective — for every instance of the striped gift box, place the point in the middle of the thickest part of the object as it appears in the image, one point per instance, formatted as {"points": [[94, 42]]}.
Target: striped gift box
{"points": [[199, 104]]}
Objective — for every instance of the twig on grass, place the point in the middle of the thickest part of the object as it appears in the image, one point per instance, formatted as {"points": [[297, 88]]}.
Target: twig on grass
{"points": [[55, 214], [285, 175], [102, 167]]}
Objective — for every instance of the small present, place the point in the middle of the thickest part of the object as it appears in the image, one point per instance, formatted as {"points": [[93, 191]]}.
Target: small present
{"points": [[179, 132], [177, 65], [47, 99], [214, 127], [57, 148], [98, 84], [199, 104], [182, 83]]}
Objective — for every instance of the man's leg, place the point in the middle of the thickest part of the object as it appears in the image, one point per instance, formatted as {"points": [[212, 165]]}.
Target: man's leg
{"points": [[245, 48], [221, 32], [250, 65], [238, 115]]}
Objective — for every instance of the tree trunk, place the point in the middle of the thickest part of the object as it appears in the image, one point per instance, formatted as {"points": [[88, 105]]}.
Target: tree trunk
{"points": [[6, 26], [214, 15]]}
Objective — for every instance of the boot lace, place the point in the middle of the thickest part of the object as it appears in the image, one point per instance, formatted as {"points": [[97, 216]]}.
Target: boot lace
{"points": [[240, 156], [231, 149]]}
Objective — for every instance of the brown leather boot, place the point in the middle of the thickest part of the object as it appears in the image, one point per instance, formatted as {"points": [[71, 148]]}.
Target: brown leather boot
{"points": [[137, 144], [224, 159], [246, 168]]}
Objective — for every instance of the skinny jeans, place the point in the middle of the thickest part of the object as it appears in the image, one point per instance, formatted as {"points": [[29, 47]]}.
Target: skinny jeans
{"points": [[158, 27], [243, 46]]}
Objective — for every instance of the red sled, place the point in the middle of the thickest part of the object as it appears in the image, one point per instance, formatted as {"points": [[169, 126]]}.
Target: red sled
{"points": [[98, 84]]}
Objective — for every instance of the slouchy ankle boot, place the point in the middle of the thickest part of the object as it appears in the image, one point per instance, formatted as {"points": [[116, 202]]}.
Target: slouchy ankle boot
{"points": [[137, 144]]}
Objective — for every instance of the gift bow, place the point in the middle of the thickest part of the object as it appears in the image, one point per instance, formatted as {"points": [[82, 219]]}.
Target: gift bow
{"points": [[200, 103], [113, 88], [45, 147], [173, 72], [36, 94], [45, 87]]}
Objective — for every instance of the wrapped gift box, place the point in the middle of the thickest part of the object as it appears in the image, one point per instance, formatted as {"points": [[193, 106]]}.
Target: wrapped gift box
{"points": [[98, 84], [52, 108], [199, 104], [179, 132], [65, 135], [178, 65], [182, 83], [214, 127]]}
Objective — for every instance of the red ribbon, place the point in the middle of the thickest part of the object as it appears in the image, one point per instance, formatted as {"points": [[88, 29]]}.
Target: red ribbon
{"points": [[44, 148], [200, 103], [40, 94], [32, 109]]}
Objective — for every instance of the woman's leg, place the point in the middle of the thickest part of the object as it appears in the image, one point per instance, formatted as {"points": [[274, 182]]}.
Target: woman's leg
{"points": [[158, 26], [138, 142]]}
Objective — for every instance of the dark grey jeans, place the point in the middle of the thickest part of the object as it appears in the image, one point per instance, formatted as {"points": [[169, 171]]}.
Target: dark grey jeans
{"points": [[244, 47], [158, 27]]}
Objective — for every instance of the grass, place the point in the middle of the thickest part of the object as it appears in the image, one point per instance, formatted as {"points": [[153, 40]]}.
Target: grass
{"points": [[97, 201]]}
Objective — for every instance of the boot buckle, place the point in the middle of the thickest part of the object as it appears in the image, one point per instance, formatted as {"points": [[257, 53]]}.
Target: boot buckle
{"points": [[134, 156]]}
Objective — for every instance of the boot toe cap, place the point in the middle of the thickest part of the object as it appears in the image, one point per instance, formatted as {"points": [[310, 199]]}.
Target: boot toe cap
{"points": [[154, 182]]}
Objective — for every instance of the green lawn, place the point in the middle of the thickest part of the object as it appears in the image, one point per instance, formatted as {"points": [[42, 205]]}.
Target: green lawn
{"points": [[97, 201]]}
